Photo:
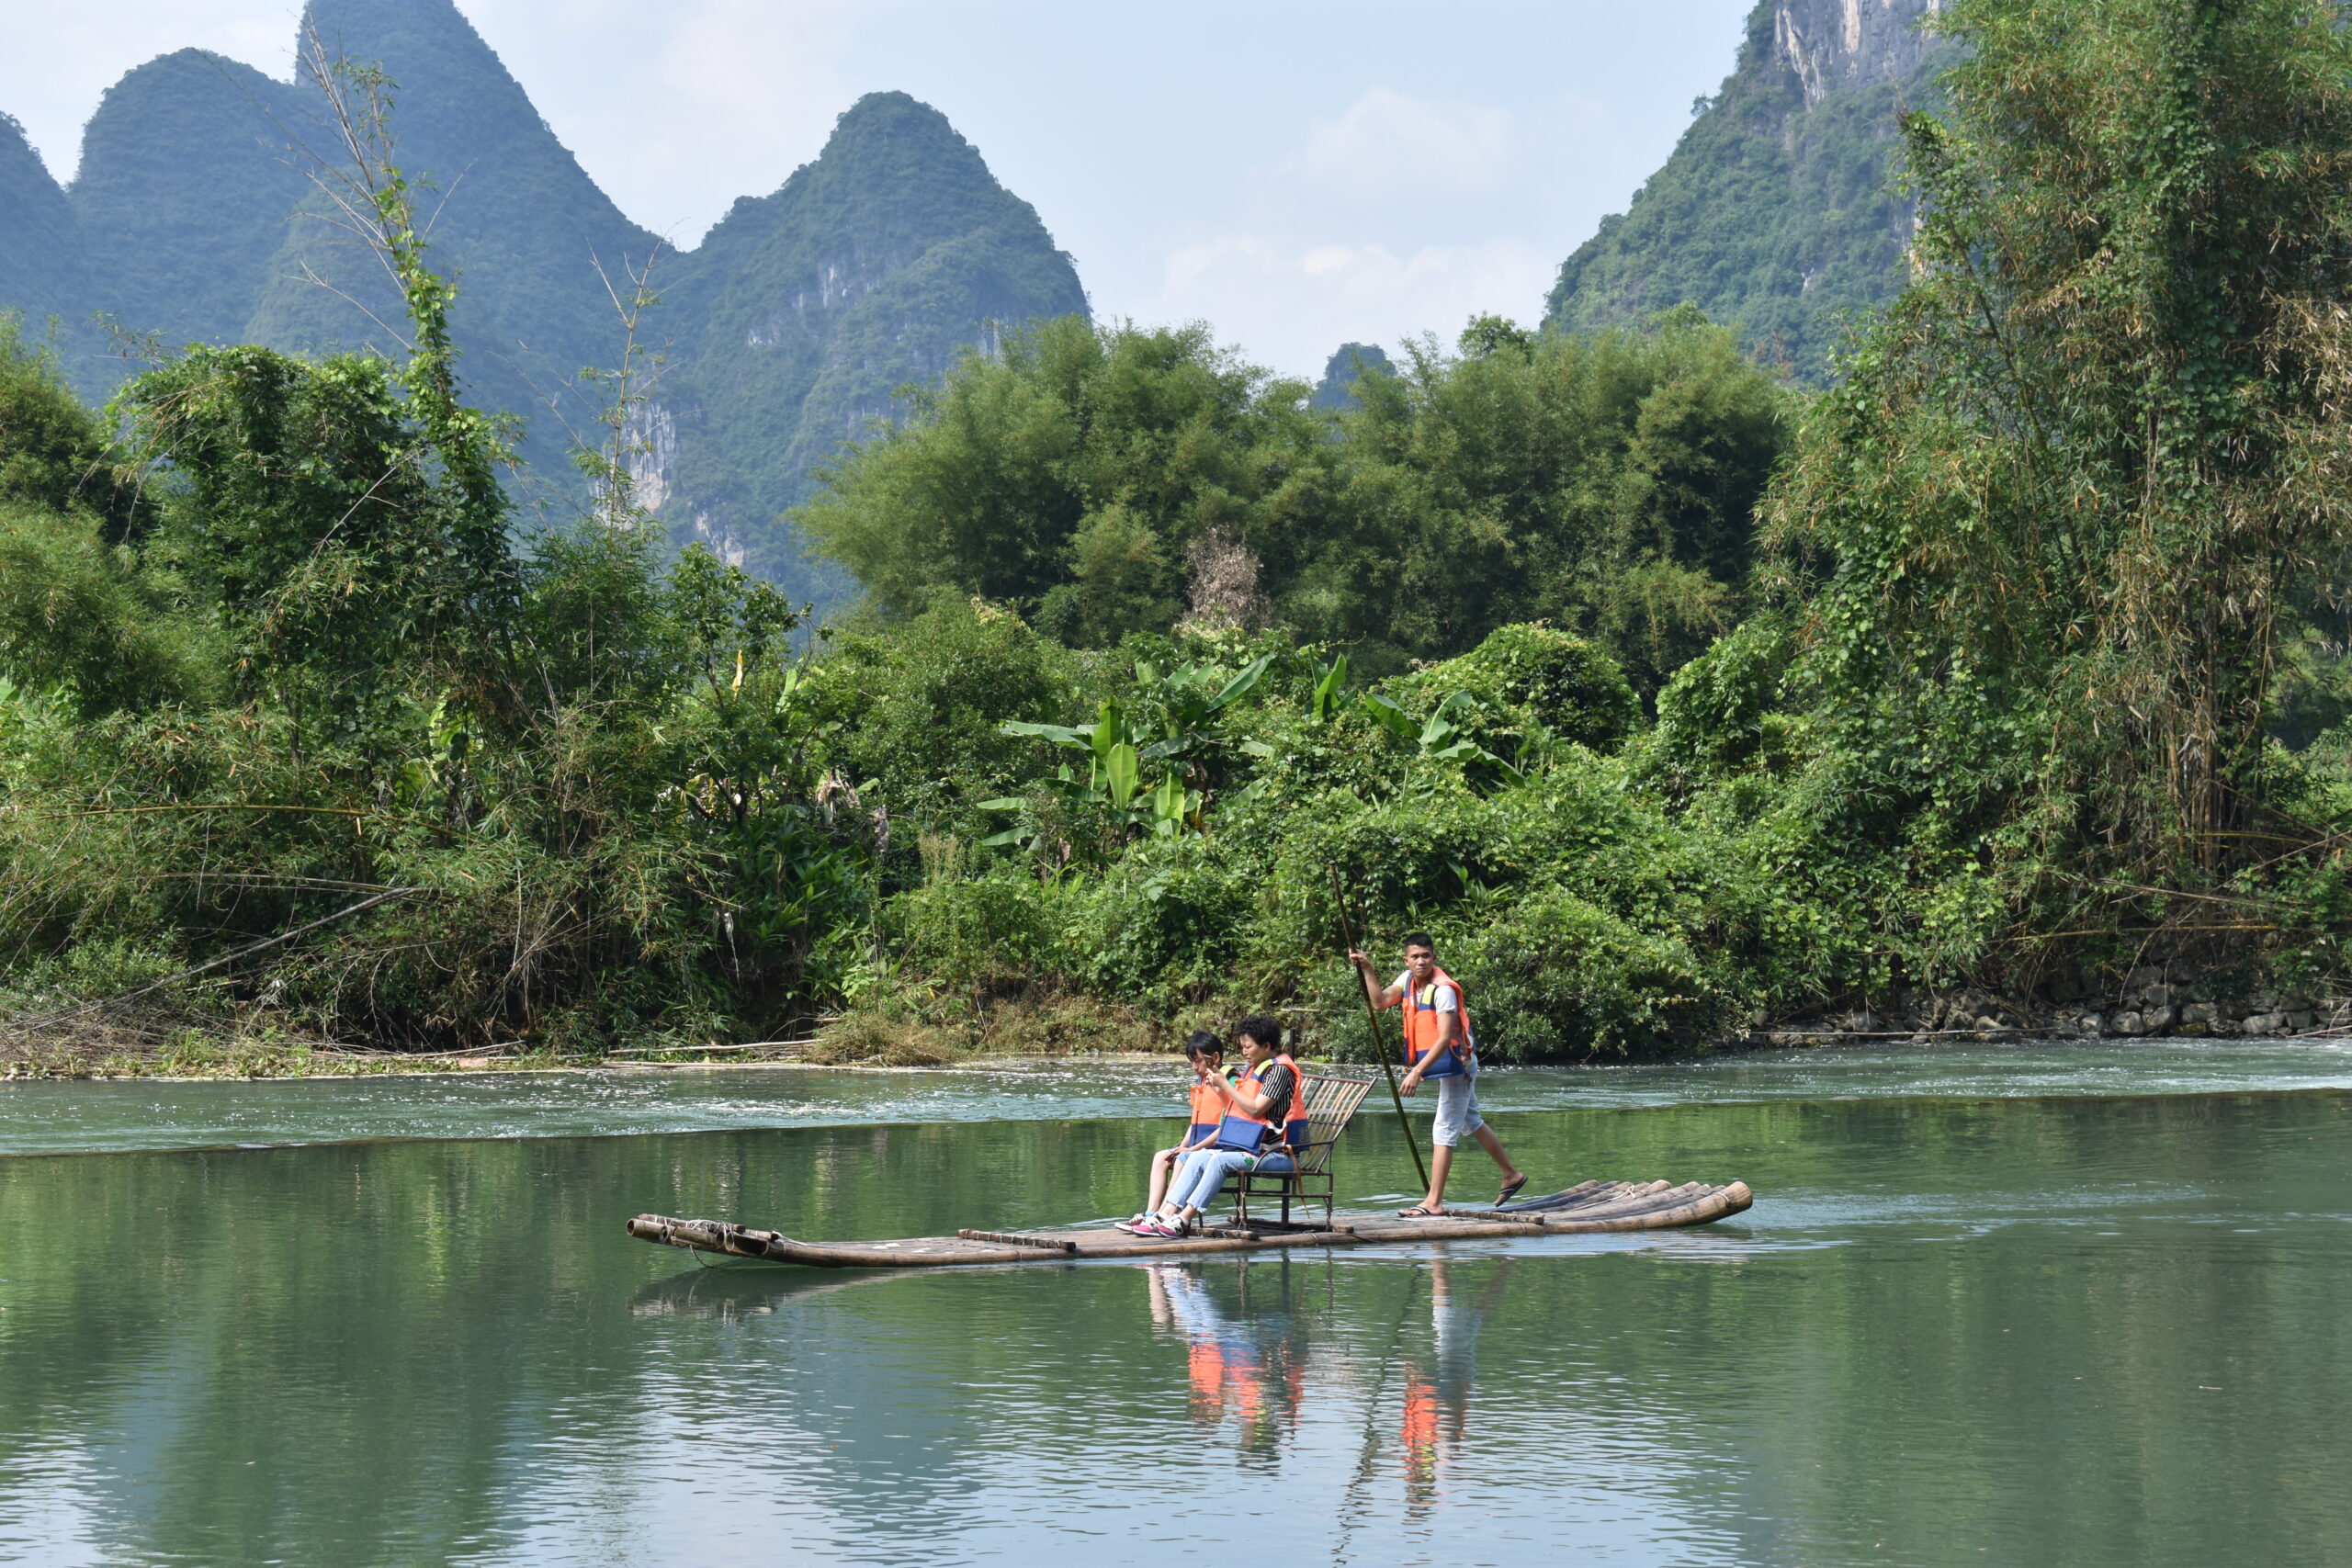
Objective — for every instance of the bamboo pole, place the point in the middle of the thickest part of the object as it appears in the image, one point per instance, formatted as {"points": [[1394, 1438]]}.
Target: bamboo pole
{"points": [[1371, 1022]]}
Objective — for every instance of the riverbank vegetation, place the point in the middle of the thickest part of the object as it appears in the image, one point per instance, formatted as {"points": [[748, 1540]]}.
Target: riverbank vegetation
{"points": [[2000, 683]]}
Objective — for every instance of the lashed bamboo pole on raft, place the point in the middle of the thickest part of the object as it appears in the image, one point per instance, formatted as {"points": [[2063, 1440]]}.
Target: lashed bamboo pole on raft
{"points": [[1589, 1208], [1371, 1022]]}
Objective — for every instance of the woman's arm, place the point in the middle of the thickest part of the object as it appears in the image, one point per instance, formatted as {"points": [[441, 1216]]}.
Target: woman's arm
{"points": [[1247, 1095]]}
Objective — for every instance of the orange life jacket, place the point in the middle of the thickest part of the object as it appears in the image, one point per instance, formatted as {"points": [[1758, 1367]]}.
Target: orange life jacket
{"points": [[1422, 1022], [1297, 1126], [1239, 1130], [1208, 1109], [1421, 1437]]}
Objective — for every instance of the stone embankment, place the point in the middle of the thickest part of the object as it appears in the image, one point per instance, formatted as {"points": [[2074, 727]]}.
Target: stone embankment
{"points": [[2153, 1000]]}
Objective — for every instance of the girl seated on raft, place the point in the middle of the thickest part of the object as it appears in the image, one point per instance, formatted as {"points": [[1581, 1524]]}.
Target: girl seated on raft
{"points": [[1250, 1136], [1205, 1053]]}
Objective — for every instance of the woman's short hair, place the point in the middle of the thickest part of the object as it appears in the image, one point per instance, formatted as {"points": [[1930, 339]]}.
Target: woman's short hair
{"points": [[1204, 1043], [1258, 1027]]}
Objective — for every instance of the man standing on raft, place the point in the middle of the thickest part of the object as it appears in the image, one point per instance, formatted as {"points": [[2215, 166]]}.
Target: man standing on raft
{"points": [[1439, 1045]]}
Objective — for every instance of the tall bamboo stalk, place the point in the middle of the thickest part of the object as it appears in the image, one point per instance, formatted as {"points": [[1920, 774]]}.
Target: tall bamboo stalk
{"points": [[1371, 1022]]}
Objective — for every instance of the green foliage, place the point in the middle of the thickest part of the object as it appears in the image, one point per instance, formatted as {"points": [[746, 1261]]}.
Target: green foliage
{"points": [[1564, 684], [1605, 483], [1565, 978], [1069, 477], [1292, 774], [1154, 755], [52, 453], [2071, 484], [1105, 481], [913, 713], [570, 790], [963, 925], [80, 614], [1725, 711], [78, 617]]}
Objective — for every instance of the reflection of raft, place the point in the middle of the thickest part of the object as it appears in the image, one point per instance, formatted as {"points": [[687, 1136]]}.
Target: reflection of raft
{"points": [[1595, 1206]]}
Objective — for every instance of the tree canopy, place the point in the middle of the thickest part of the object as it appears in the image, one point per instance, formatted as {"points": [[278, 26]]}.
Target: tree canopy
{"points": [[1109, 481]]}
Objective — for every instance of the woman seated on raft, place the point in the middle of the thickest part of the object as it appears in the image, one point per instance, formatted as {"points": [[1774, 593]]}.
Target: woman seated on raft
{"points": [[1205, 1053], [1250, 1136]]}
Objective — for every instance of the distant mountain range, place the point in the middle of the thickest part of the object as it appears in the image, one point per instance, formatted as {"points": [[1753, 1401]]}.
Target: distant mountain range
{"points": [[1774, 211], [786, 329]]}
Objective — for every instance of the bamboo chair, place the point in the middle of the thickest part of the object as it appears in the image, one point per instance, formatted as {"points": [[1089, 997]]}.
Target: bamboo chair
{"points": [[1330, 1105]]}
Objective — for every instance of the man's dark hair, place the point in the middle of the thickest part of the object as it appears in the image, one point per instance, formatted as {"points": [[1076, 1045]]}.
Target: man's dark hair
{"points": [[1262, 1029], [1419, 939], [1204, 1043]]}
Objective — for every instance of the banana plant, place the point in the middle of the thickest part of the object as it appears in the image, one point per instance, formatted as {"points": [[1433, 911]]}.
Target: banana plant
{"points": [[1187, 699], [1331, 682], [1115, 772], [1114, 764], [1184, 704], [1175, 810], [1444, 737]]}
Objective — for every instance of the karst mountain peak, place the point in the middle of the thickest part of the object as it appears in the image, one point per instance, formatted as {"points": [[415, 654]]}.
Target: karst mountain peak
{"points": [[1777, 212], [193, 218], [791, 329]]}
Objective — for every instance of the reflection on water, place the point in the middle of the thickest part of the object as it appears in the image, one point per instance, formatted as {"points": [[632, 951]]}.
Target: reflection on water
{"points": [[1438, 1381], [1245, 1361], [73, 1116], [2086, 1332]]}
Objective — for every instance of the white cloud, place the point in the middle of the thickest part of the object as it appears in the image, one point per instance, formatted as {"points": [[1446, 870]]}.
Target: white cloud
{"points": [[1291, 305], [1329, 242], [1388, 143]]}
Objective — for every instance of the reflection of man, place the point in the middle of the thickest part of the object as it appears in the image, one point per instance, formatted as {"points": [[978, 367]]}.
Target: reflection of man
{"points": [[1436, 1388]]}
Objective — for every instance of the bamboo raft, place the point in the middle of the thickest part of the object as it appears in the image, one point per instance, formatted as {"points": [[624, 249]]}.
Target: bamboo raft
{"points": [[1589, 1208]]}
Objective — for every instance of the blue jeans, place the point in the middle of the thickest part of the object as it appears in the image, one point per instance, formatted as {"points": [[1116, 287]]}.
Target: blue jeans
{"points": [[1203, 1174]]}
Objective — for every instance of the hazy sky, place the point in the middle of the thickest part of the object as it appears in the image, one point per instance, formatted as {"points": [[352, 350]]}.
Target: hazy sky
{"points": [[1299, 173]]}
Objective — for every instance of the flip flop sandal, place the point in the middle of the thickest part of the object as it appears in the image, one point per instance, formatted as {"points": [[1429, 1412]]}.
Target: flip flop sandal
{"points": [[1510, 1191], [1421, 1212]]}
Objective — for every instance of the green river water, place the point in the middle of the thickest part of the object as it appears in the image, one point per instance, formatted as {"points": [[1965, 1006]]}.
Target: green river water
{"points": [[2060, 1304]]}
